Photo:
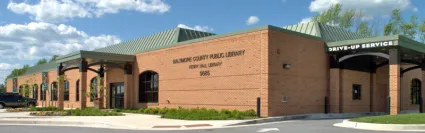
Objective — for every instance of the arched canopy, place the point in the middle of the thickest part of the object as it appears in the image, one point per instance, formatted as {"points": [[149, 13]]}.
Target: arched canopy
{"points": [[386, 56]]}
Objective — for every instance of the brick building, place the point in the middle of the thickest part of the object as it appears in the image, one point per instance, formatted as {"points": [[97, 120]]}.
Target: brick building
{"points": [[299, 69]]}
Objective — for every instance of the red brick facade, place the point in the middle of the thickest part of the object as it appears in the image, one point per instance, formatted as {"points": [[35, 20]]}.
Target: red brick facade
{"points": [[253, 68]]}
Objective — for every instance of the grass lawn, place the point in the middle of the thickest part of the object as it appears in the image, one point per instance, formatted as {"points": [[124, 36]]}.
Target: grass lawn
{"points": [[393, 119]]}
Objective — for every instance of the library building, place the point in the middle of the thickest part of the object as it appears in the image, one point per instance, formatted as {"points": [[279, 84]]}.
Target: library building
{"points": [[304, 68]]}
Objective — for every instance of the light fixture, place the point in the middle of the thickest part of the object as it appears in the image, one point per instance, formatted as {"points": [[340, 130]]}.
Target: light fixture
{"points": [[286, 66]]}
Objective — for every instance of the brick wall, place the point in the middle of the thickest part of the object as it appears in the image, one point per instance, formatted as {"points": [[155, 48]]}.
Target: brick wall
{"points": [[235, 84], [350, 77], [305, 83]]}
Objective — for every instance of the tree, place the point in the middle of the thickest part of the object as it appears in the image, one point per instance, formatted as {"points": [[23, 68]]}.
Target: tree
{"points": [[96, 92], [53, 58], [41, 61], [2, 88], [346, 20], [421, 31], [330, 16], [393, 27], [364, 29], [17, 72], [410, 29]]}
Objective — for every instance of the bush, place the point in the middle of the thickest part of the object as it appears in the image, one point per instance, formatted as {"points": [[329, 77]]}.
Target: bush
{"points": [[91, 112], [78, 112], [32, 108], [194, 113], [50, 108]]}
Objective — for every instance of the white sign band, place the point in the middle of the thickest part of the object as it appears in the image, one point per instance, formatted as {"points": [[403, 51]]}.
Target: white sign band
{"points": [[362, 46]]}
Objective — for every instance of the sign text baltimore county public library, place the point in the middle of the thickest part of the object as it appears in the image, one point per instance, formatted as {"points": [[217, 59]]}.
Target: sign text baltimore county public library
{"points": [[205, 57], [362, 46]]}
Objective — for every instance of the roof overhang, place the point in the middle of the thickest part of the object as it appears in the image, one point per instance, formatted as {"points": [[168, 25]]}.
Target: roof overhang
{"points": [[409, 49], [95, 56], [382, 42]]}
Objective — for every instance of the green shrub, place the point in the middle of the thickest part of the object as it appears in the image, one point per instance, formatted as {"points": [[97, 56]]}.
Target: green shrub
{"points": [[140, 110], [251, 112], [154, 111], [147, 110], [163, 110], [195, 113]]}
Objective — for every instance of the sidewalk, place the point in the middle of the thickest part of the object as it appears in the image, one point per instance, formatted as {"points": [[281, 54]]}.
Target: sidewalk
{"points": [[129, 121]]}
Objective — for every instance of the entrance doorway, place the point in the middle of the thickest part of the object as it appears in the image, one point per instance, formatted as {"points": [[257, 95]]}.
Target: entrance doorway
{"points": [[117, 95]]}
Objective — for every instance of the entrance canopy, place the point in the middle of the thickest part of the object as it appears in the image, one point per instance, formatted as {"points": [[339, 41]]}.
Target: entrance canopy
{"points": [[83, 60], [368, 54], [92, 56], [409, 51]]}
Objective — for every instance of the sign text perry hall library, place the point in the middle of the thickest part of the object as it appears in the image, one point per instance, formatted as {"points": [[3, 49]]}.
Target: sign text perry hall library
{"points": [[362, 46]]}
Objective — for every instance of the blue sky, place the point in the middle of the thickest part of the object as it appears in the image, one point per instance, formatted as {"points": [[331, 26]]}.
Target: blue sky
{"points": [[33, 29]]}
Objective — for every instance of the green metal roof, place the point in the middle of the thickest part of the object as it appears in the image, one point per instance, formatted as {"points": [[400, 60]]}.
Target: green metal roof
{"points": [[156, 41], [96, 56], [326, 32], [169, 38], [41, 68]]}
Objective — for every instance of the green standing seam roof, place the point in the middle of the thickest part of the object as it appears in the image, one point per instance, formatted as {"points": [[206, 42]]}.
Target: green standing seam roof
{"points": [[156, 41], [326, 32], [41, 68], [181, 36]]}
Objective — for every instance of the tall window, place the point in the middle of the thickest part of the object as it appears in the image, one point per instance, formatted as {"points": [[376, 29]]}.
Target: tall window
{"points": [[148, 87], [415, 87], [77, 90], [43, 93], [66, 91], [93, 83], [357, 91], [54, 91], [35, 91]]}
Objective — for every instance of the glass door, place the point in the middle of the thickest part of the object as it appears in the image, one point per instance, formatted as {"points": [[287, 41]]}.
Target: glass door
{"points": [[117, 95]]}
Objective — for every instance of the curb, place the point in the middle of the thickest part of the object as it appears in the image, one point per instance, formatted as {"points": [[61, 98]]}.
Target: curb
{"points": [[59, 123], [382, 127], [94, 124], [308, 117]]}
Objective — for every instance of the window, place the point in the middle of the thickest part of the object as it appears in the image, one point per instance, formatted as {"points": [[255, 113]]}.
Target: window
{"points": [[66, 91], [415, 87], [148, 87], [357, 91], [35, 91], [43, 93], [54, 92], [93, 83], [77, 90]]}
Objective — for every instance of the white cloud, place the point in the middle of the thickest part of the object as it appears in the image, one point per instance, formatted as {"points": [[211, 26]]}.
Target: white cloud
{"points": [[5, 69], [62, 10], [415, 9], [371, 7], [196, 27], [252, 20], [305, 20], [26, 43]]}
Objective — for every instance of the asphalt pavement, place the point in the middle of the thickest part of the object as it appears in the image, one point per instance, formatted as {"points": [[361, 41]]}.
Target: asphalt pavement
{"points": [[299, 126]]}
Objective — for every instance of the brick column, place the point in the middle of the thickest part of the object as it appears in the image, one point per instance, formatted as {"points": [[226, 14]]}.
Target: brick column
{"points": [[101, 82], [61, 85], [128, 85], [372, 91], [422, 91], [394, 74], [107, 93], [334, 86], [83, 83]]}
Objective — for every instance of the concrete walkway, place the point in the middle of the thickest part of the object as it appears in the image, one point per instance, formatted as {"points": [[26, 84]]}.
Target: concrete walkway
{"points": [[381, 127], [129, 121]]}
